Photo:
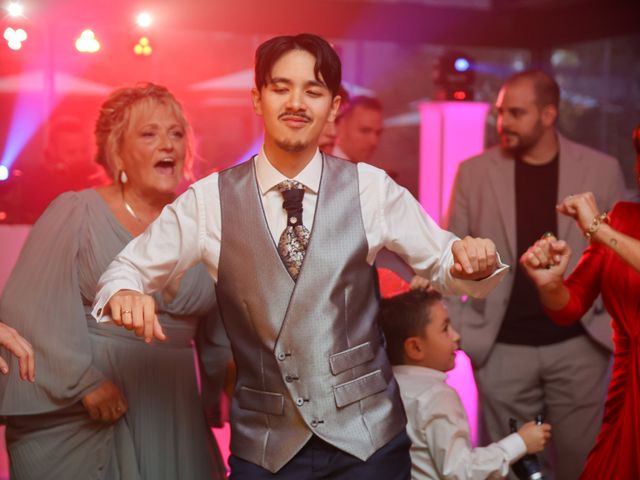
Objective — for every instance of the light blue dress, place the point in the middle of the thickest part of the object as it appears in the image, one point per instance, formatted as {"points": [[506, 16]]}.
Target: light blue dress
{"points": [[164, 434]]}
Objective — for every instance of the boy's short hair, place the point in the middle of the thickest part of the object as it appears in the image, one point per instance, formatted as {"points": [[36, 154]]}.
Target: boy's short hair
{"points": [[403, 316]]}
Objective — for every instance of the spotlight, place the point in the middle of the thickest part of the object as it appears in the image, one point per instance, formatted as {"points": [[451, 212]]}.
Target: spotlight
{"points": [[15, 38], [15, 9], [87, 42], [454, 74], [143, 47], [144, 19], [4, 173], [461, 64]]}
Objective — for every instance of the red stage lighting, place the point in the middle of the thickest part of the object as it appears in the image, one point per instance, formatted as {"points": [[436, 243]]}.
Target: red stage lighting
{"points": [[87, 42], [459, 95]]}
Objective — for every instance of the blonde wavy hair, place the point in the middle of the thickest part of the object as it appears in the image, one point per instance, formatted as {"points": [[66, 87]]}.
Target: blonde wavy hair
{"points": [[114, 122]]}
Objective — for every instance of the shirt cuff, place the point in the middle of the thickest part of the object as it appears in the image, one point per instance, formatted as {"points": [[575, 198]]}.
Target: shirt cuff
{"points": [[481, 288], [103, 297], [514, 447]]}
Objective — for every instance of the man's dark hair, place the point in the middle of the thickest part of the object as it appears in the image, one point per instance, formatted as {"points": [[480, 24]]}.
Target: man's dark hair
{"points": [[546, 88], [363, 101], [403, 316], [328, 68]]}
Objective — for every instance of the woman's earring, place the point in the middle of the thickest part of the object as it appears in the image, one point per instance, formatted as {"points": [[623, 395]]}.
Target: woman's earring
{"points": [[123, 177]]}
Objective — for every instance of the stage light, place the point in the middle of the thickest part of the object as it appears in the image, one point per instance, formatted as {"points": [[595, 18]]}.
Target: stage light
{"points": [[4, 173], [144, 19], [143, 47], [454, 75], [461, 64], [3, 216], [15, 38], [15, 9], [87, 42], [459, 95]]}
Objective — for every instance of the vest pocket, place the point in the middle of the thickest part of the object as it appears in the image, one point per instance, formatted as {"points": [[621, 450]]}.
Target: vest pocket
{"points": [[359, 388], [350, 358], [260, 401]]}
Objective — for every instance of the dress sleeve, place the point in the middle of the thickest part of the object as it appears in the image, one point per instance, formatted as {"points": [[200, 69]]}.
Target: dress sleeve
{"points": [[446, 432], [42, 301], [583, 285]]}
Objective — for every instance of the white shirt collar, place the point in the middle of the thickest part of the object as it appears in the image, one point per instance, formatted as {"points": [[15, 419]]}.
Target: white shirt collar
{"points": [[268, 176], [417, 371]]}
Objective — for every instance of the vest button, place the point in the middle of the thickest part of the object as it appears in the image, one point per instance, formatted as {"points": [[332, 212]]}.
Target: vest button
{"points": [[281, 356], [314, 423], [299, 401], [288, 379]]}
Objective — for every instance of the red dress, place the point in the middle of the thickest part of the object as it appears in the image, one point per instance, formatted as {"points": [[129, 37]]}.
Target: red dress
{"points": [[616, 454]]}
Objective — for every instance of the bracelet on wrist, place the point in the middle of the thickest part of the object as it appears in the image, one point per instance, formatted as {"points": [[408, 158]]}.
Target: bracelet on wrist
{"points": [[595, 224]]}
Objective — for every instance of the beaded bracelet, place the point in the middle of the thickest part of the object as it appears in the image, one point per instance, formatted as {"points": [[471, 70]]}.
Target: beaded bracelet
{"points": [[595, 224]]}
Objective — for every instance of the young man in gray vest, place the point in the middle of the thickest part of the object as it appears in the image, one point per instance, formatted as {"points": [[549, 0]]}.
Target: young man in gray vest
{"points": [[315, 395]]}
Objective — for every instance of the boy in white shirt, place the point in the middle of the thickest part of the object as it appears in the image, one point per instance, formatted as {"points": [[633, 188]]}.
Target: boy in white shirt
{"points": [[422, 344]]}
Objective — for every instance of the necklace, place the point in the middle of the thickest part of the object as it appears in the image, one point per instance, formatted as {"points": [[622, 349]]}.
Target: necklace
{"points": [[130, 210]]}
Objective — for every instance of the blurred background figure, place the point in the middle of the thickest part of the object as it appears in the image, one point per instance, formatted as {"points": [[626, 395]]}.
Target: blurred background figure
{"points": [[359, 129], [328, 135], [66, 165]]}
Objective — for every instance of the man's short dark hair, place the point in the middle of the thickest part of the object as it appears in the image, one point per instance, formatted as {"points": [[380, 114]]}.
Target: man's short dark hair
{"points": [[363, 101], [403, 316], [546, 88], [328, 68]]}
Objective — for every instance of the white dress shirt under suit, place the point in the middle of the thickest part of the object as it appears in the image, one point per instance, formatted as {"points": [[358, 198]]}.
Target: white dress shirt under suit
{"points": [[189, 231]]}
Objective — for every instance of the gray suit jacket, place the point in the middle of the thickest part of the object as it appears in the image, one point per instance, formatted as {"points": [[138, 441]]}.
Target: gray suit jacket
{"points": [[483, 205]]}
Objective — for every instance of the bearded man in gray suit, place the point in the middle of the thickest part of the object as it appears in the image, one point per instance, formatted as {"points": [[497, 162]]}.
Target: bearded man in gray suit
{"points": [[523, 363], [315, 395]]}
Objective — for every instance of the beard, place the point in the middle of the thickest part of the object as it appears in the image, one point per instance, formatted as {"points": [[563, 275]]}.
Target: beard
{"points": [[292, 146], [523, 141]]}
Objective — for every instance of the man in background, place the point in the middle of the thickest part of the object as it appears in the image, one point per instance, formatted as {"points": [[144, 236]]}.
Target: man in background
{"points": [[359, 129], [525, 364]]}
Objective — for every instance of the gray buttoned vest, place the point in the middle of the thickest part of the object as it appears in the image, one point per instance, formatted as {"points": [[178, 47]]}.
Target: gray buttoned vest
{"points": [[309, 354]]}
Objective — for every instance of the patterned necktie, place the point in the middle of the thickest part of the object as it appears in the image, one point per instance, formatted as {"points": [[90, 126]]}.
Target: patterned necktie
{"points": [[295, 237]]}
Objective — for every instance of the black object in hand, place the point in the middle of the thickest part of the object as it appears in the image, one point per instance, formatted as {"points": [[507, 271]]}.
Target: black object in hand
{"points": [[528, 467]]}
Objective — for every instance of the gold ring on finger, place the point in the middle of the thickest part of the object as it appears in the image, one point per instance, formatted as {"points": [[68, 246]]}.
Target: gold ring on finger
{"points": [[125, 311]]}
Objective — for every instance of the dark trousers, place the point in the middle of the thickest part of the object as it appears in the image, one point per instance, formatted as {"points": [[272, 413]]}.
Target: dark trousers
{"points": [[319, 460]]}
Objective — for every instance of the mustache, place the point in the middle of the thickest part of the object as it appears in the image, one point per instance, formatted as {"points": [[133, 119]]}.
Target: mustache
{"points": [[295, 115], [508, 132]]}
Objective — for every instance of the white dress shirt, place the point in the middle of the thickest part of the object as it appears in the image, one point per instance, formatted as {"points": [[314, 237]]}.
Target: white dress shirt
{"points": [[439, 431], [189, 230]]}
